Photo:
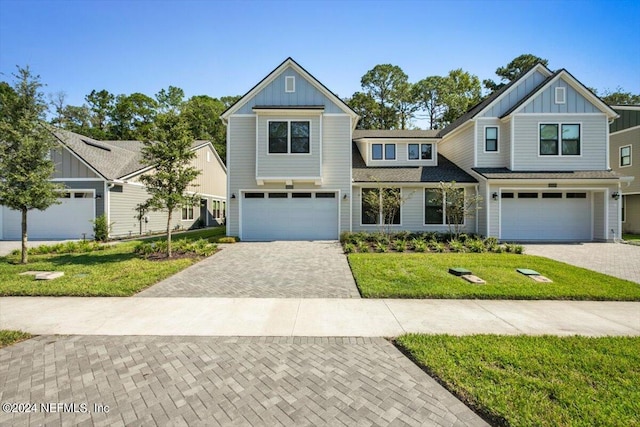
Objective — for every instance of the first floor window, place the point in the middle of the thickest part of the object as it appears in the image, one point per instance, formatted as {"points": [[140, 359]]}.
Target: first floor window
{"points": [[381, 206], [625, 155], [187, 213], [440, 209], [433, 212], [491, 138]]}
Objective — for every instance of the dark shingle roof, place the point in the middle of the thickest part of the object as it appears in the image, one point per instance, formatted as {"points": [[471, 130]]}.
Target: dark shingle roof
{"points": [[445, 171], [395, 133], [504, 173], [111, 159]]}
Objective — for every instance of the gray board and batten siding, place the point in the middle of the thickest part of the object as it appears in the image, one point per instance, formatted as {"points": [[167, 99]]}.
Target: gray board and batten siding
{"points": [[69, 166], [515, 94]]}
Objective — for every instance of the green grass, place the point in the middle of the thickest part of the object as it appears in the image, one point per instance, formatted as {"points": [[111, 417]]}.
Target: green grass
{"points": [[631, 236], [116, 271], [212, 234], [426, 276], [537, 381], [12, 337]]}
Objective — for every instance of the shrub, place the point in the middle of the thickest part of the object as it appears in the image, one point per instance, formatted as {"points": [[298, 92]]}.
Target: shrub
{"points": [[475, 245], [81, 246], [419, 245], [200, 247], [101, 228], [513, 248], [456, 246], [491, 243], [400, 245], [345, 236], [402, 235], [229, 239], [519, 249], [363, 247], [349, 248], [378, 238], [381, 247], [436, 246]]}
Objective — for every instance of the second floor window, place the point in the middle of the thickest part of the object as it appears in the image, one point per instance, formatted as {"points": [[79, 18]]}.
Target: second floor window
{"points": [[289, 137], [491, 138], [420, 151], [377, 151], [625, 156], [559, 139]]}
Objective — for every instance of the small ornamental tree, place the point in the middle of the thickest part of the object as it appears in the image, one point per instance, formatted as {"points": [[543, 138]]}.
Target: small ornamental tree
{"points": [[25, 147], [383, 205], [169, 152], [456, 205]]}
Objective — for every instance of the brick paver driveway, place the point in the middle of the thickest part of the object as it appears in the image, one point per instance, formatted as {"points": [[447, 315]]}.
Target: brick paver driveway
{"points": [[615, 259], [265, 270], [222, 381]]}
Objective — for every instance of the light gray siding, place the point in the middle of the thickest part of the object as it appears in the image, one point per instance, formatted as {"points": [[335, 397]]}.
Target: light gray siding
{"points": [[484, 207], [69, 166], [288, 165], [402, 153], [274, 94], [411, 212], [544, 102], [632, 214], [593, 142], [620, 139], [459, 147], [515, 94], [493, 159], [336, 162], [212, 180], [599, 232], [241, 165]]}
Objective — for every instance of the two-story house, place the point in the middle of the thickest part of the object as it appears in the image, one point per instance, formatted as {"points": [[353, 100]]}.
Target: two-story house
{"points": [[536, 151], [625, 159]]}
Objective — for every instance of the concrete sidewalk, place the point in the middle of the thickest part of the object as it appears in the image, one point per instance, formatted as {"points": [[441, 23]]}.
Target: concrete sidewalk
{"points": [[313, 317]]}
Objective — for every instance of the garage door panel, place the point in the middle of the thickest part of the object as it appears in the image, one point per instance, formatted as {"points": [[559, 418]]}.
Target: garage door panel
{"points": [[68, 220], [563, 218], [289, 218]]}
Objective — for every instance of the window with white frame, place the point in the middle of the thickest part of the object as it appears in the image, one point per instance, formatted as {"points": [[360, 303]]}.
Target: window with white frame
{"points": [[187, 213], [491, 139], [289, 137], [436, 205], [561, 97], [625, 156], [290, 84], [559, 139], [378, 150], [381, 206], [420, 151]]}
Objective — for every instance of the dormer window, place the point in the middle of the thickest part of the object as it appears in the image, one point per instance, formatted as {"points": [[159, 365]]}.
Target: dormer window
{"points": [[377, 151], [420, 151], [290, 84], [561, 97], [491, 139]]}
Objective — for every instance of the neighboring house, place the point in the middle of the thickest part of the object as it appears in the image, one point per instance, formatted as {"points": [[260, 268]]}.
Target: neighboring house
{"points": [[102, 178], [536, 151], [624, 139]]}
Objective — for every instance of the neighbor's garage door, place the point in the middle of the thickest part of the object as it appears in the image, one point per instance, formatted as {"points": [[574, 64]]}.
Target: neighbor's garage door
{"points": [[289, 216], [547, 216], [68, 220]]}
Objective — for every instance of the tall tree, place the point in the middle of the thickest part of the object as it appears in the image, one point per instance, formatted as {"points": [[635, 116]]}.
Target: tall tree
{"points": [[171, 99], [514, 69], [25, 165], [384, 83], [406, 104], [101, 105], [368, 110], [169, 151], [428, 94], [201, 114], [133, 116], [461, 90], [620, 97]]}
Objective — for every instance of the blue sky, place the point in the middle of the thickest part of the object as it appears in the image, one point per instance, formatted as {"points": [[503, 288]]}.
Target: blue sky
{"points": [[222, 48]]}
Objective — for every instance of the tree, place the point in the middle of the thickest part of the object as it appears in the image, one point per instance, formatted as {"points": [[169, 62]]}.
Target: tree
{"points": [[169, 152], [460, 91], [620, 97], [201, 115], [367, 108], [406, 104], [25, 166], [455, 205], [514, 69], [385, 84], [383, 206], [101, 105], [428, 95], [171, 99], [133, 116]]}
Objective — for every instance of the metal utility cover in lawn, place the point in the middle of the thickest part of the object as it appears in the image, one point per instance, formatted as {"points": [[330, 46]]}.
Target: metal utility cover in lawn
{"points": [[473, 279], [527, 272], [459, 271]]}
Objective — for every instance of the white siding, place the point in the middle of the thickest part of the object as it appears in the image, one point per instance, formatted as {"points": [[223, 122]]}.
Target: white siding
{"points": [[593, 134], [459, 147]]}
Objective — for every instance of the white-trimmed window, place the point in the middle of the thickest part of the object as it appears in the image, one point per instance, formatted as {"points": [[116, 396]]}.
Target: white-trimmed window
{"points": [[373, 212], [289, 137], [386, 150], [625, 156], [187, 213], [420, 151], [559, 139], [561, 95], [491, 139], [435, 207], [290, 84]]}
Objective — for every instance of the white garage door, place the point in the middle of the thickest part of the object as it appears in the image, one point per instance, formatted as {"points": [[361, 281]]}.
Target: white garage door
{"points": [[530, 216], [289, 216], [68, 220]]}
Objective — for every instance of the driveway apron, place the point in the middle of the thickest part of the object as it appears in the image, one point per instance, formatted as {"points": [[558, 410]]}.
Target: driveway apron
{"points": [[265, 270]]}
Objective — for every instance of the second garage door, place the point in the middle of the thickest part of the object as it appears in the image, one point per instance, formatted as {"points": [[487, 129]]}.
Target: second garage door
{"points": [[289, 216], [545, 216]]}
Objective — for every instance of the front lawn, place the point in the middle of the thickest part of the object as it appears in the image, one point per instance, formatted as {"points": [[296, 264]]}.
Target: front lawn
{"points": [[116, 271], [537, 381], [401, 275], [11, 337], [631, 236]]}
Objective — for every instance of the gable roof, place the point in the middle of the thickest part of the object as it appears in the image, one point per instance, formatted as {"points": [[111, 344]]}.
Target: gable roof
{"points": [[289, 62], [445, 171], [573, 82], [110, 159], [491, 100]]}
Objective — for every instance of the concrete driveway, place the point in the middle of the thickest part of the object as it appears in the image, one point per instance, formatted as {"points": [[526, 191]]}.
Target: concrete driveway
{"points": [[615, 259], [265, 270], [6, 246]]}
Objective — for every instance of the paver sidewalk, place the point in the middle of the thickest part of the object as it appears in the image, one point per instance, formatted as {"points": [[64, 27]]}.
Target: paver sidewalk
{"points": [[314, 317]]}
